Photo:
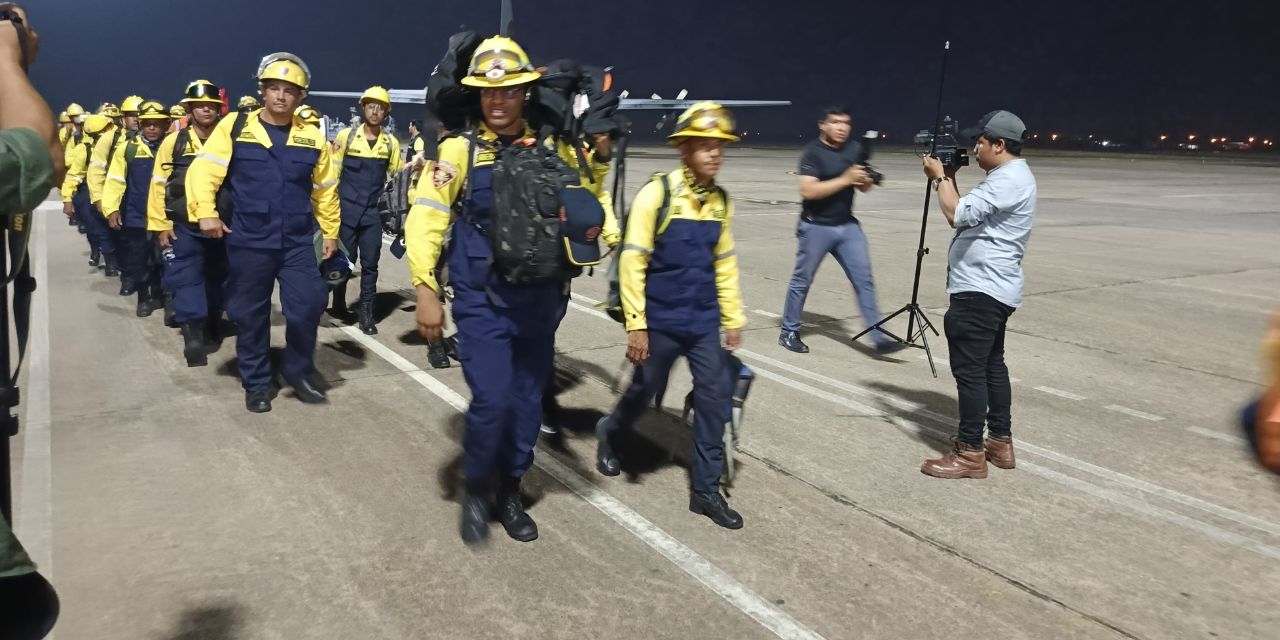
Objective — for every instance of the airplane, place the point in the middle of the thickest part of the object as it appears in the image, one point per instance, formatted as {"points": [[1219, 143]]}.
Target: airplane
{"points": [[653, 103]]}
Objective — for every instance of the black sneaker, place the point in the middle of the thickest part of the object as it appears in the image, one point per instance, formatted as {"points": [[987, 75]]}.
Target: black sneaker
{"points": [[790, 340], [473, 524], [438, 355], [258, 401], [607, 462], [519, 525]]}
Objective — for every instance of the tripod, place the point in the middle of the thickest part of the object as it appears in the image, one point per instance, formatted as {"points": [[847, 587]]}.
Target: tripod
{"points": [[917, 321]]}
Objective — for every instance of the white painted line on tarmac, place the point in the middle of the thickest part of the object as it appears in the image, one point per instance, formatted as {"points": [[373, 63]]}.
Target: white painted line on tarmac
{"points": [[767, 314], [1217, 436], [762, 611], [1149, 417], [33, 516], [1060, 393], [948, 423]]}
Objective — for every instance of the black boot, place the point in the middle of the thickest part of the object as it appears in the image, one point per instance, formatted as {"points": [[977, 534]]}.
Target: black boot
{"points": [[95, 257], [144, 308], [112, 270], [438, 355], [339, 308], [193, 346], [258, 401], [366, 318], [474, 522], [511, 512], [307, 391], [170, 314], [607, 462], [712, 505]]}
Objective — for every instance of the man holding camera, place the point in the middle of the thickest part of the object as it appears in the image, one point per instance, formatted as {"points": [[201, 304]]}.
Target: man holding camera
{"points": [[984, 279], [828, 175]]}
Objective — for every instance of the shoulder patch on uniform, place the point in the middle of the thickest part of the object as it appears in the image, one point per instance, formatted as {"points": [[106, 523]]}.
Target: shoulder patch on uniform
{"points": [[247, 136], [310, 142], [442, 173]]}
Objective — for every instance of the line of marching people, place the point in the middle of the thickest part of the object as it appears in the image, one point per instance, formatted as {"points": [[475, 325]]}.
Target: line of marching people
{"points": [[212, 216], [199, 212]]}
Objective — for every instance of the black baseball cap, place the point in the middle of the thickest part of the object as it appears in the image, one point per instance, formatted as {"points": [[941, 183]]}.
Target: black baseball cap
{"points": [[998, 124]]}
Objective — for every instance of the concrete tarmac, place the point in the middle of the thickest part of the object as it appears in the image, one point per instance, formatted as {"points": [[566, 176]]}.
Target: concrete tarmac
{"points": [[163, 510]]}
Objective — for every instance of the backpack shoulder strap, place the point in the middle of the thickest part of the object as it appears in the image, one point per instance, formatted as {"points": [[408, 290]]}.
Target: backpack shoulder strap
{"points": [[130, 151], [237, 126], [660, 221], [351, 137]]}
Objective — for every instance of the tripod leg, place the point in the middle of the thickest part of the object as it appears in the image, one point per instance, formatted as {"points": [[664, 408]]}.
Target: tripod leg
{"points": [[924, 338], [883, 321]]}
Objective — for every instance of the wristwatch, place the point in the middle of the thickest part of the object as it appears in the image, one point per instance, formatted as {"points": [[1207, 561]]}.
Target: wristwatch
{"points": [[937, 182]]}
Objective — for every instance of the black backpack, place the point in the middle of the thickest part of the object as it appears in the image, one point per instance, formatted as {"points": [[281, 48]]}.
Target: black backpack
{"points": [[175, 189], [525, 230]]}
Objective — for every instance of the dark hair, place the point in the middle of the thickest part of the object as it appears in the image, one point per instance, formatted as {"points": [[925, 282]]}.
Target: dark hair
{"points": [[834, 110], [1014, 147], [417, 124]]}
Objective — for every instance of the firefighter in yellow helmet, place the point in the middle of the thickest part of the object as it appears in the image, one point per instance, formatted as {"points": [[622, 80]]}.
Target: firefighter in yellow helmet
{"points": [[282, 191], [308, 114], [507, 329], [364, 158], [195, 273], [126, 130], [678, 277], [74, 191], [124, 200], [100, 129], [247, 104]]}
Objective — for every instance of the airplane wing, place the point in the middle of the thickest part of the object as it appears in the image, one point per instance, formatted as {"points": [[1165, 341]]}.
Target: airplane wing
{"points": [[418, 96]]}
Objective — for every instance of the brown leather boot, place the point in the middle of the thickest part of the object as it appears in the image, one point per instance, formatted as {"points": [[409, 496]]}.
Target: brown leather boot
{"points": [[1000, 452], [963, 462]]}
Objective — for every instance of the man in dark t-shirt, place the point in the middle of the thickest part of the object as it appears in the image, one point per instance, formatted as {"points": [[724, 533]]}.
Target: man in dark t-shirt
{"points": [[828, 177]]}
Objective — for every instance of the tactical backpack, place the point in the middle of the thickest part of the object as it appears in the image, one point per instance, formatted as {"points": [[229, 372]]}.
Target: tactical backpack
{"points": [[175, 189], [525, 233]]}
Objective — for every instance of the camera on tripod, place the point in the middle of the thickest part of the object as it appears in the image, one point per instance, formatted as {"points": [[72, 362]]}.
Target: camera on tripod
{"points": [[864, 157], [945, 145]]}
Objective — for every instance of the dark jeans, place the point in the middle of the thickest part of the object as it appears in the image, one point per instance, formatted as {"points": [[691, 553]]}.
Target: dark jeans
{"points": [[975, 325]]}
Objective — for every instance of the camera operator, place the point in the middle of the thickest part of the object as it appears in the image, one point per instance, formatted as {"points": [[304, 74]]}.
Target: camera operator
{"points": [[984, 278], [30, 164], [828, 175]]}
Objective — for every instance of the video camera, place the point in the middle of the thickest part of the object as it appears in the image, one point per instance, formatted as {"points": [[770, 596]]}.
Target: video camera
{"points": [[864, 157], [945, 145]]}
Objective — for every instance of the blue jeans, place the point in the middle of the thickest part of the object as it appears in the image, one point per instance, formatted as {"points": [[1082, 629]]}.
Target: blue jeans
{"points": [[849, 246]]}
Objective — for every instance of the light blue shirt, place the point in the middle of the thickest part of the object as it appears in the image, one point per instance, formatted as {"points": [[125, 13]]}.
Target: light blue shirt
{"points": [[993, 223]]}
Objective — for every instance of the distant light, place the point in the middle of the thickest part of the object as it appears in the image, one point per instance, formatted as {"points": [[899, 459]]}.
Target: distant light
{"points": [[1164, 137], [1091, 136], [1191, 137], [884, 135], [1251, 139], [1214, 140], [1036, 136], [1054, 137]]}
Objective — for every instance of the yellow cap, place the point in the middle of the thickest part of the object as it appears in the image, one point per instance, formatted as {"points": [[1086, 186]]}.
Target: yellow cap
{"points": [[248, 103], [152, 110], [63, 118], [74, 110], [705, 120], [96, 123], [307, 114], [178, 111], [376, 94], [499, 62], [109, 110], [132, 104], [284, 66]]}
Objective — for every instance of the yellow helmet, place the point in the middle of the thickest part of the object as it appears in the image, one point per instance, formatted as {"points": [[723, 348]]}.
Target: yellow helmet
{"points": [[705, 120], [284, 66], [177, 111], [500, 62], [376, 94], [132, 104], [201, 91], [152, 110], [74, 110], [96, 123], [248, 103], [63, 118], [307, 114], [109, 110]]}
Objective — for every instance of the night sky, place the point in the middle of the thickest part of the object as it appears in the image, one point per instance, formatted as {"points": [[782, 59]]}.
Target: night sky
{"points": [[1126, 70]]}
